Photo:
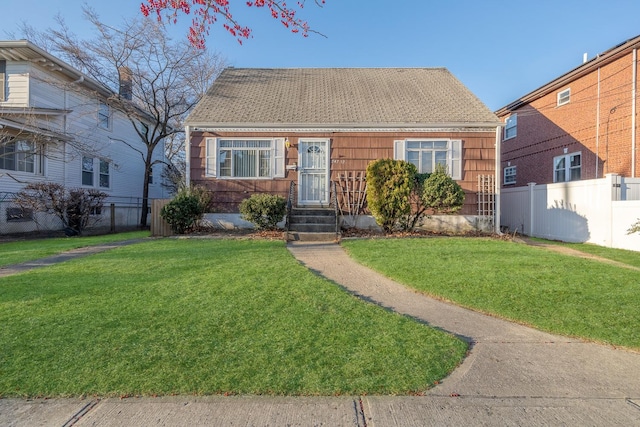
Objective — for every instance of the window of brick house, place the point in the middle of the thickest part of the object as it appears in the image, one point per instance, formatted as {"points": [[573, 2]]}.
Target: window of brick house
{"points": [[511, 127], [509, 175], [564, 96], [567, 167]]}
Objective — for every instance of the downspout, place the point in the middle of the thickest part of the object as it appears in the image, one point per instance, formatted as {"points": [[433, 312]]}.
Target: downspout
{"points": [[598, 127], [496, 215], [187, 153], [633, 112]]}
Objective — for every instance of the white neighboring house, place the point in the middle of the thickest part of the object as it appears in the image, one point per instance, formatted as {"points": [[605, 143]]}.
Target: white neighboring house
{"points": [[57, 125]]}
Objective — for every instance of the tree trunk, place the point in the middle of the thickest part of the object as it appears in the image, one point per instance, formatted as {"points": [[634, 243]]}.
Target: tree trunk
{"points": [[145, 190]]}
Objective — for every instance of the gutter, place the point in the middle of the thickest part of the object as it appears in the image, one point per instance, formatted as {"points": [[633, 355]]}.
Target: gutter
{"points": [[187, 153], [634, 85], [341, 127], [497, 207]]}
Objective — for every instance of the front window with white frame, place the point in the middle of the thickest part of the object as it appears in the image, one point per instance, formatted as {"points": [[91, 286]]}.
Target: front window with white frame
{"points": [[567, 167], [20, 156], [509, 175], [425, 154], [245, 158], [511, 127], [104, 115], [564, 96], [95, 172]]}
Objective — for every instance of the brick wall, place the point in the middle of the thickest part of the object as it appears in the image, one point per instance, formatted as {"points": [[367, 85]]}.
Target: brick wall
{"points": [[596, 122]]}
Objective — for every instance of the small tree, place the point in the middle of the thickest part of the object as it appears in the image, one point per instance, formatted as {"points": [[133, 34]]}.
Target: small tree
{"points": [[76, 208], [186, 209], [635, 228], [389, 186], [441, 193], [265, 211]]}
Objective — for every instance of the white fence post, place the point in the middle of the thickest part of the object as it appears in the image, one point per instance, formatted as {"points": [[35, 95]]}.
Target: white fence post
{"points": [[531, 208]]}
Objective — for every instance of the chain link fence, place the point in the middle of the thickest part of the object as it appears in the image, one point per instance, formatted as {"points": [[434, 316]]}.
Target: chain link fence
{"points": [[117, 214]]}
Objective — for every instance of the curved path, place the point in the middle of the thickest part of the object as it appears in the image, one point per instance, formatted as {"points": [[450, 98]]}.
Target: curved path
{"points": [[510, 370]]}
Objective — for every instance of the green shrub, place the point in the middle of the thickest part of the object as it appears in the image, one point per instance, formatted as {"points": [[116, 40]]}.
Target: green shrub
{"points": [[186, 209], [441, 193], [265, 211], [389, 186]]}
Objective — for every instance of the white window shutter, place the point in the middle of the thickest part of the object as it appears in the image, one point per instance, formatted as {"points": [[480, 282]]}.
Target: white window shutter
{"points": [[398, 150], [279, 154], [3, 79], [455, 159], [212, 157]]}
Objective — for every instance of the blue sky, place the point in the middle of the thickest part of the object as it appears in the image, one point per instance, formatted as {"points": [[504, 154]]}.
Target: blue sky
{"points": [[499, 49]]}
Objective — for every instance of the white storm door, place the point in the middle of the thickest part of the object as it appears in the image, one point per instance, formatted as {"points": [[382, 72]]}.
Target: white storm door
{"points": [[313, 172]]}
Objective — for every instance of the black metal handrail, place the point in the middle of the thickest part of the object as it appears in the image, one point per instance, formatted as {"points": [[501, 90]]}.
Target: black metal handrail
{"points": [[287, 223], [334, 200]]}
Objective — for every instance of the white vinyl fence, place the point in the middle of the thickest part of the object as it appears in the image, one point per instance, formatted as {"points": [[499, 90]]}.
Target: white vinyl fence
{"points": [[598, 211]]}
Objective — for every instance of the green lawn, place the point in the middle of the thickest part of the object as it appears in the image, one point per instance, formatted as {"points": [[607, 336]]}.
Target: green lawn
{"points": [[550, 291], [621, 255], [201, 317], [28, 250]]}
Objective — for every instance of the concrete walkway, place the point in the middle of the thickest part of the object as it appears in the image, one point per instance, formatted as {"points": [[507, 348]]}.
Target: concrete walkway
{"points": [[513, 375], [8, 270]]}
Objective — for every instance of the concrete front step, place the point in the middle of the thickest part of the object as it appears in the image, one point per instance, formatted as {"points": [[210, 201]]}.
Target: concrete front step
{"points": [[313, 219], [312, 212], [310, 237], [313, 228]]}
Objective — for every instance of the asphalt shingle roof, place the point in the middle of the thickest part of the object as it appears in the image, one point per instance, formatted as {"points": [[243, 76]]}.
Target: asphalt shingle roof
{"points": [[371, 97]]}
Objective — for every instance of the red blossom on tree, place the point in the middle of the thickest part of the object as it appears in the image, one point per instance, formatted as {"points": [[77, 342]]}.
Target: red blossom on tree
{"points": [[207, 12]]}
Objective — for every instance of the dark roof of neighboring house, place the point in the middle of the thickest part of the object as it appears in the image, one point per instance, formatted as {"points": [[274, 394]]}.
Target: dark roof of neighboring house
{"points": [[339, 97], [593, 64]]}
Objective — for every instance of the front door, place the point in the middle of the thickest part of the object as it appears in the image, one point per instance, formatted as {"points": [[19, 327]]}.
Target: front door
{"points": [[313, 172]]}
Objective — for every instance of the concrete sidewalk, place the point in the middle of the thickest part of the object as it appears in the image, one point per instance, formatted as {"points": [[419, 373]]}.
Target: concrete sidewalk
{"points": [[513, 375]]}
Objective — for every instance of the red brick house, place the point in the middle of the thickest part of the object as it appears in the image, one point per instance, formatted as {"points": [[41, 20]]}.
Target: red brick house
{"points": [[259, 130], [582, 125]]}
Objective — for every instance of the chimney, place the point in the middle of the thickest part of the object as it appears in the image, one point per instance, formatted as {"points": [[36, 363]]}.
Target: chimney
{"points": [[126, 84], [584, 58]]}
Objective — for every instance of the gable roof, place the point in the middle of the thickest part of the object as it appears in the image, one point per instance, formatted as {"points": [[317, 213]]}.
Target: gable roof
{"points": [[339, 98]]}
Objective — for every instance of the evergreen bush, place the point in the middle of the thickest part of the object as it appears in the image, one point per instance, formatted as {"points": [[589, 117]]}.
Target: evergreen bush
{"points": [[441, 193], [389, 186], [265, 211]]}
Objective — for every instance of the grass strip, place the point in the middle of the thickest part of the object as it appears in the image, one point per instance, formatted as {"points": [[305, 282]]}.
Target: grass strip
{"points": [[550, 291], [15, 252], [620, 255], [206, 317]]}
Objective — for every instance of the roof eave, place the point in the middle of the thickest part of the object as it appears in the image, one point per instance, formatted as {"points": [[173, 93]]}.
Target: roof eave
{"points": [[594, 63], [65, 68], [343, 126]]}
